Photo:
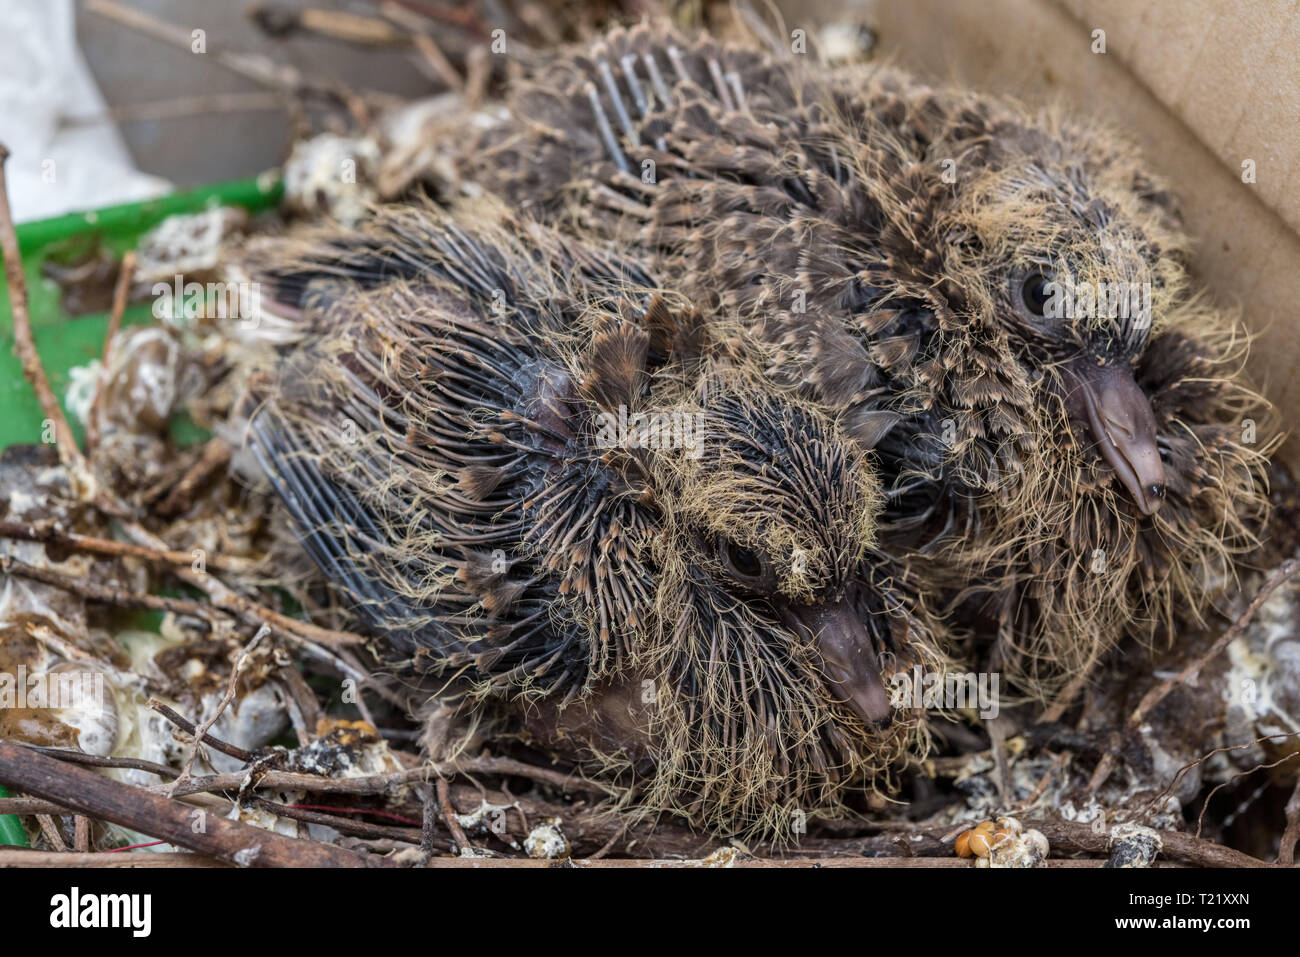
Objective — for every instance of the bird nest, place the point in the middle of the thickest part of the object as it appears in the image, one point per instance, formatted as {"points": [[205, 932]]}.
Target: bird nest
{"points": [[243, 714]]}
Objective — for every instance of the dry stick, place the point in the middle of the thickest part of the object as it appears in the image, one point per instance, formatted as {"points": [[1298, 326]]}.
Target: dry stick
{"points": [[740, 862], [295, 781], [379, 783], [51, 832], [433, 56], [344, 825], [245, 609], [463, 17], [126, 273], [239, 754], [53, 533], [95, 761], [1205, 805], [449, 816], [214, 458], [1177, 845], [86, 792], [259, 69], [120, 597], [332, 24], [31, 806], [428, 817], [1286, 849], [1152, 698], [69, 454], [24, 858], [222, 705], [181, 107], [478, 71], [81, 825], [424, 43]]}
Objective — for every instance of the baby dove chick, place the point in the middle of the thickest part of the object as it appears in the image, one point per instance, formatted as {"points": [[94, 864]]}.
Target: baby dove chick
{"points": [[551, 495], [996, 301]]}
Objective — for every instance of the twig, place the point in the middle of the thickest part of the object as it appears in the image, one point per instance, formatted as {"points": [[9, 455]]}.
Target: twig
{"points": [[91, 591], [449, 816], [51, 832], [214, 457], [433, 56], [295, 781], [16, 858], [608, 845], [282, 23], [81, 833], [425, 44], [257, 68], [239, 754], [1176, 845], [1205, 805], [86, 792], [231, 687], [1281, 574], [181, 107], [246, 610], [407, 835], [463, 17], [69, 454], [428, 819], [1286, 849], [53, 533], [126, 273], [1152, 698], [95, 761]]}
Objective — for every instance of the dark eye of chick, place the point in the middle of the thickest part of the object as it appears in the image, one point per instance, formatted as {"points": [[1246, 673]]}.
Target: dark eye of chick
{"points": [[1034, 293], [746, 565]]}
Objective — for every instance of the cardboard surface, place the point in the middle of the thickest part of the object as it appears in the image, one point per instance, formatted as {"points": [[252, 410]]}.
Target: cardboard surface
{"points": [[1200, 86]]}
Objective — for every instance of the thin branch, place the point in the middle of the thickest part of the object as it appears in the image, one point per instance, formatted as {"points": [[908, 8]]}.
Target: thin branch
{"points": [[53, 533], [17, 858], [188, 726], [458, 835], [120, 597], [86, 792], [1281, 574], [69, 454], [1152, 698], [1286, 849], [232, 686]]}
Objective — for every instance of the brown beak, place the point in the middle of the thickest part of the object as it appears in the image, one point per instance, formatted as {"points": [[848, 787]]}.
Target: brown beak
{"points": [[1119, 416], [848, 658]]}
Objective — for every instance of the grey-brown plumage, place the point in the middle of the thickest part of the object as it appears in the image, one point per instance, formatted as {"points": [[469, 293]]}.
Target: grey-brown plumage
{"points": [[1076, 477], [546, 488]]}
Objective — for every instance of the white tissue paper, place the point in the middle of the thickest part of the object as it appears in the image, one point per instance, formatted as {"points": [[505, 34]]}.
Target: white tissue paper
{"points": [[59, 162]]}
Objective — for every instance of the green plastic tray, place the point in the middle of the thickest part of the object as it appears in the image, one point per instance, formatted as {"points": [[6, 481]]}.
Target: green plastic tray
{"points": [[65, 341]]}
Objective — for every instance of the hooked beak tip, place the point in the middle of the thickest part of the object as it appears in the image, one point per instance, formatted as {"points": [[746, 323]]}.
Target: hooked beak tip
{"points": [[1118, 414], [850, 667]]}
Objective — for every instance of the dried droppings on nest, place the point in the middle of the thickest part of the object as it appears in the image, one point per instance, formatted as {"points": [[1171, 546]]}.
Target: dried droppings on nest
{"points": [[1132, 845], [547, 841], [332, 176], [187, 246], [344, 749]]}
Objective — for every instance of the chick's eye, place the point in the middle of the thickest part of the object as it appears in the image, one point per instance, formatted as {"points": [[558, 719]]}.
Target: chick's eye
{"points": [[743, 562], [1034, 294]]}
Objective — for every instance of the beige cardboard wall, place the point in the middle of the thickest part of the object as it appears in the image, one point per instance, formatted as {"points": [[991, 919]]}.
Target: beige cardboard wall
{"points": [[1201, 85]]}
